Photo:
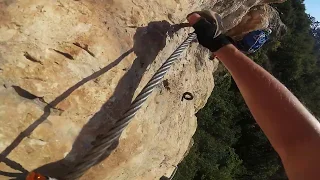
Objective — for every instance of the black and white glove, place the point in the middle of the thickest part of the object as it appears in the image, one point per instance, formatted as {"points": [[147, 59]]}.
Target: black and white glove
{"points": [[209, 31]]}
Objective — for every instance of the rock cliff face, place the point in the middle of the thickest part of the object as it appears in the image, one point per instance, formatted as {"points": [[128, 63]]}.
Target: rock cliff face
{"points": [[259, 17], [69, 69]]}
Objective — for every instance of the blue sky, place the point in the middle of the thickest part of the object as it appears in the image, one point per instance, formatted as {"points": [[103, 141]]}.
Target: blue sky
{"points": [[313, 8]]}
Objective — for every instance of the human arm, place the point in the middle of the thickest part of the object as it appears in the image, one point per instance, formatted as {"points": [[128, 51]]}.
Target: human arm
{"points": [[291, 129]]}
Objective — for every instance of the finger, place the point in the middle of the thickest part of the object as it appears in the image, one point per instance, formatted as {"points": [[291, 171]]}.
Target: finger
{"points": [[193, 18]]}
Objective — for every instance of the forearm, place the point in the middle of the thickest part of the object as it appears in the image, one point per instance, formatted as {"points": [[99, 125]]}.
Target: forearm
{"points": [[286, 122], [291, 129]]}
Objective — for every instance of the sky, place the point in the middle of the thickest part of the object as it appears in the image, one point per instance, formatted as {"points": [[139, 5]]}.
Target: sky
{"points": [[313, 8]]}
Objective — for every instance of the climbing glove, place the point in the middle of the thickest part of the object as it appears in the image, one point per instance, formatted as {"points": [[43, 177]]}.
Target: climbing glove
{"points": [[209, 31]]}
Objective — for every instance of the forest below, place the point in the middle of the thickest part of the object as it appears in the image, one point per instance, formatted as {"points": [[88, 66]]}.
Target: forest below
{"points": [[228, 142]]}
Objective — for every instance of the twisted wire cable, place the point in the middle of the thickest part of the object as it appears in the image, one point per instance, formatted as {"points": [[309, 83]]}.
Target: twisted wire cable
{"points": [[104, 142]]}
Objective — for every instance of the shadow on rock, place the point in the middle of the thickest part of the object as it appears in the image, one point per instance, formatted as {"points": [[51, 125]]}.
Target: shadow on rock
{"points": [[148, 42], [14, 165]]}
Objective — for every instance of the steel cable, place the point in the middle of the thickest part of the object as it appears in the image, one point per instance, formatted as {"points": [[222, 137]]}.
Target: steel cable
{"points": [[104, 142]]}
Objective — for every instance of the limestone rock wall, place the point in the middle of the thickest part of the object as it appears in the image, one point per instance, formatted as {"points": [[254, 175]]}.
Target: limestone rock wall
{"points": [[69, 69], [259, 17]]}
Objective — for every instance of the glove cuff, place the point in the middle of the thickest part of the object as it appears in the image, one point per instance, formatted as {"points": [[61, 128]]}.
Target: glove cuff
{"points": [[219, 42]]}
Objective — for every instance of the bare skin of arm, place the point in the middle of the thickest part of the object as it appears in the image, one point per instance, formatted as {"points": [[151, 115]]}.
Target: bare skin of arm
{"points": [[292, 130]]}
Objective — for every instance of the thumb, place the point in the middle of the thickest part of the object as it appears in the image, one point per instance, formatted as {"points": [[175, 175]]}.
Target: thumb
{"points": [[193, 18]]}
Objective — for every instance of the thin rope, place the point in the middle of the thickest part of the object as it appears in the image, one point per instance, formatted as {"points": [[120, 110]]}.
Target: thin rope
{"points": [[105, 142]]}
